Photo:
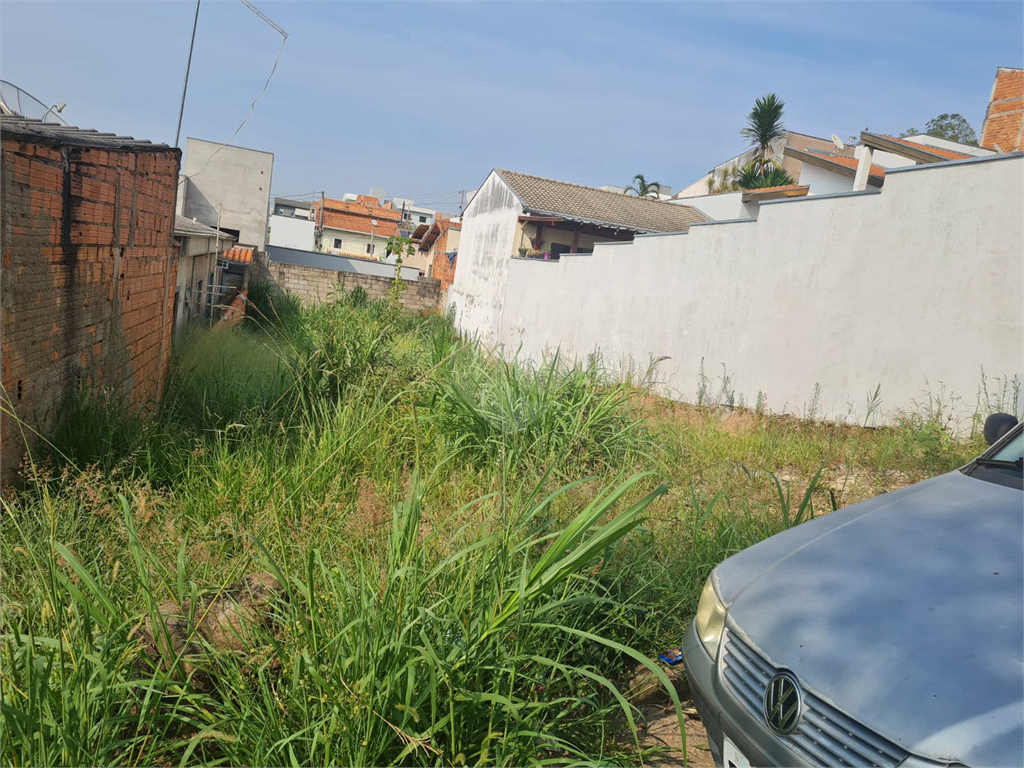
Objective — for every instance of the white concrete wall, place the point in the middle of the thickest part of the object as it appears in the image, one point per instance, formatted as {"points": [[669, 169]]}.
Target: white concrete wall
{"points": [[233, 179], [488, 240], [722, 207], [822, 182], [916, 288], [291, 232]]}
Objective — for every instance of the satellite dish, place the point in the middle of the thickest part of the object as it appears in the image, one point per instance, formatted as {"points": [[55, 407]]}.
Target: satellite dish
{"points": [[838, 142], [18, 101]]}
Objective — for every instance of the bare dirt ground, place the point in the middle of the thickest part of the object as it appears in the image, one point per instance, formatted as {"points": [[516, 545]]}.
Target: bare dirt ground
{"points": [[660, 727]]}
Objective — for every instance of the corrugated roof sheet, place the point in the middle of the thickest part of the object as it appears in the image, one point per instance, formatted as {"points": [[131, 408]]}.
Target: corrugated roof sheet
{"points": [[591, 205], [188, 228], [54, 133]]}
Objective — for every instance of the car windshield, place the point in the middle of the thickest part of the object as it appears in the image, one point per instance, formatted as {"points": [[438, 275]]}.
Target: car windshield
{"points": [[1012, 451]]}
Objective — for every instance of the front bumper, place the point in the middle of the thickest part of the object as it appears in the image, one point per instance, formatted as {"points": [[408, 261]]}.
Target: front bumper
{"points": [[723, 715]]}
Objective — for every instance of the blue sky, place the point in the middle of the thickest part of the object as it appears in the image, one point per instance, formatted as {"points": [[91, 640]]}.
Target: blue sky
{"points": [[423, 99]]}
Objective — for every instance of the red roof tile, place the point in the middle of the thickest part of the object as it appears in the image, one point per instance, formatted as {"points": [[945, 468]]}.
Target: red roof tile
{"points": [[239, 255], [949, 154], [356, 223], [852, 162]]}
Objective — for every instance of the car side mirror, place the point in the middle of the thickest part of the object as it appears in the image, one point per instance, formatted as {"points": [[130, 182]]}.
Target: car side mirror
{"points": [[997, 425]]}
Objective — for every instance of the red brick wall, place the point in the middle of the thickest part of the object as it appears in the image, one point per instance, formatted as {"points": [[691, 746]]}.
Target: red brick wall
{"points": [[1004, 121], [440, 267], [86, 285]]}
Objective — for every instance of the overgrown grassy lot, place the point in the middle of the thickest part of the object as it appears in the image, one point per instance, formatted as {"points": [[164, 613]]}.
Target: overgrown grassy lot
{"points": [[474, 553]]}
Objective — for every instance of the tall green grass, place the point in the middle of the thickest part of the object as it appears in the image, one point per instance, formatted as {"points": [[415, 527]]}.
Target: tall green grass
{"points": [[481, 615]]}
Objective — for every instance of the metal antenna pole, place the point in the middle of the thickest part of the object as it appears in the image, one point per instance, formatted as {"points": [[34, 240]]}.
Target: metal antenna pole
{"points": [[188, 67]]}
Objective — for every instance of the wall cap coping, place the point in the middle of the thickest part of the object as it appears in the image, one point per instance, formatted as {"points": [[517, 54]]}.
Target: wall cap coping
{"points": [[948, 163]]}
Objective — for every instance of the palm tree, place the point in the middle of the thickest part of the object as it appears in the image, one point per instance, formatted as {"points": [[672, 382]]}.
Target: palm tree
{"points": [[764, 125], [642, 188], [749, 178]]}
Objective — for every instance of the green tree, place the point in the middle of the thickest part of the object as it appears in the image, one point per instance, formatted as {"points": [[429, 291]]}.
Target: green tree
{"points": [[764, 126], [643, 188], [952, 127], [749, 177]]}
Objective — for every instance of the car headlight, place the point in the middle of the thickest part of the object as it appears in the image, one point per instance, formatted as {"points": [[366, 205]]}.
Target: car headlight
{"points": [[710, 618]]}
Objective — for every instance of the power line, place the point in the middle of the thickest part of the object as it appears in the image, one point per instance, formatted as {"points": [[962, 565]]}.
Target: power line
{"points": [[252, 108]]}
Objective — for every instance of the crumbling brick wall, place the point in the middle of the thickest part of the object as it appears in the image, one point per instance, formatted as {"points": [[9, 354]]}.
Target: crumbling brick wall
{"points": [[443, 269], [86, 286], [314, 284]]}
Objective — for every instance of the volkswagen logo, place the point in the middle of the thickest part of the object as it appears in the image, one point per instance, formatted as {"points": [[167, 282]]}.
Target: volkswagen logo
{"points": [[782, 703]]}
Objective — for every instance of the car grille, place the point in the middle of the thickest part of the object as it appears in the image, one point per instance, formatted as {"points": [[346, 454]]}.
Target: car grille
{"points": [[825, 736]]}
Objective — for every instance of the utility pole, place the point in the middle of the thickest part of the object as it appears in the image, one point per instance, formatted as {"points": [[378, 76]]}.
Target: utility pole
{"points": [[462, 203], [188, 67], [318, 228]]}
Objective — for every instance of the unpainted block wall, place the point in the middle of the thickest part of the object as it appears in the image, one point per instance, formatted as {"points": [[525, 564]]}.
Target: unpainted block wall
{"points": [[313, 285], [86, 279]]}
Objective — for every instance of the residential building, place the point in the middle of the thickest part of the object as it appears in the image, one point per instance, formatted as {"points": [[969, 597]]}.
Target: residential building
{"points": [[227, 188], [792, 165], [86, 290], [439, 240], [412, 215], [1003, 129], [291, 225], [293, 208], [359, 227], [514, 215], [198, 288], [832, 173]]}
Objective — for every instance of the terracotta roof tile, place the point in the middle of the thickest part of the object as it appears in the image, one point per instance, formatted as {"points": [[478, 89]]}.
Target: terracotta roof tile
{"points": [[357, 208], [852, 162], [239, 255], [609, 209], [1004, 119], [948, 154], [355, 223]]}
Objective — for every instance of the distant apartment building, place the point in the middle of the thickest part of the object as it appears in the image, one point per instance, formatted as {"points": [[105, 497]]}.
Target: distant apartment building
{"points": [[359, 227]]}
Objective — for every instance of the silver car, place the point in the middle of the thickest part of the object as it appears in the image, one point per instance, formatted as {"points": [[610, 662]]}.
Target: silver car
{"points": [[889, 633]]}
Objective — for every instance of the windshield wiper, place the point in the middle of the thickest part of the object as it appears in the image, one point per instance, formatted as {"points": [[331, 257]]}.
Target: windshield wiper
{"points": [[1017, 465]]}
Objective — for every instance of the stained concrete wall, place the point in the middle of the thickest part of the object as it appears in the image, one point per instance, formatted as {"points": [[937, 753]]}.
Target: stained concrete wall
{"points": [[916, 288], [232, 181], [488, 240]]}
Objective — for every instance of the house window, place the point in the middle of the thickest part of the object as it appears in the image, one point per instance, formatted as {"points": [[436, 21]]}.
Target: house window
{"points": [[557, 249], [423, 219], [370, 247], [337, 243]]}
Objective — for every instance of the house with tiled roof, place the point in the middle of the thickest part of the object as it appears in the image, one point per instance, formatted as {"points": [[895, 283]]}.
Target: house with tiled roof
{"points": [[435, 248], [358, 228], [199, 274], [516, 215], [1003, 129]]}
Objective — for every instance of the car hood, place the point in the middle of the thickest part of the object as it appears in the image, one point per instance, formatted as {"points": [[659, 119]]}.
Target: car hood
{"points": [[904, 611]]}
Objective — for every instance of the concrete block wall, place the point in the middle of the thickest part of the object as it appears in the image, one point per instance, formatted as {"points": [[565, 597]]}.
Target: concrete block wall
{"points": [[86, 288], [314, 285]]}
